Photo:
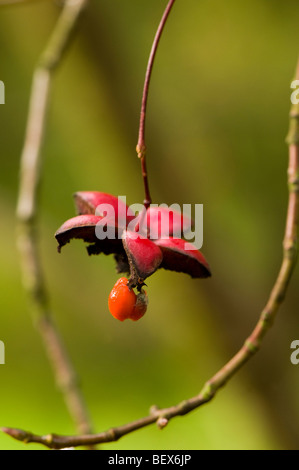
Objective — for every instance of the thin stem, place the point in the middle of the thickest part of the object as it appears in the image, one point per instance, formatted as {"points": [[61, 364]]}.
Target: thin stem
{"points": [[141, 147], [250, 346], [27, 211]]}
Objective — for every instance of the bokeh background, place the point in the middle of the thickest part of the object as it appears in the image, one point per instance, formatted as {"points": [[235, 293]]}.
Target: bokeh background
{"points": [[216, 127]]}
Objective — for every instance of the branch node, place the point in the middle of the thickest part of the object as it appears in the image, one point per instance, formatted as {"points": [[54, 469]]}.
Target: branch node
{"points": [[266, 320], [251, 346], [153, 410], [208, 391], [141, 151], [49, 438], [162, 422]]}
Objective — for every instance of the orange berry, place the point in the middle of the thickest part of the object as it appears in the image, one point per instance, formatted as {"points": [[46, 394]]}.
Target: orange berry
{"points": [[122, 300]]}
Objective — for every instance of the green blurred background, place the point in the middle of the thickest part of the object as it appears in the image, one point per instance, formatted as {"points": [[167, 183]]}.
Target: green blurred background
{"points": [[217, 121]]}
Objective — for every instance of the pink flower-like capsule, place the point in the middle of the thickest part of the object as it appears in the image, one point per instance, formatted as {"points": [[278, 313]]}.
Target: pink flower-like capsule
{"points": [[134, 251]]}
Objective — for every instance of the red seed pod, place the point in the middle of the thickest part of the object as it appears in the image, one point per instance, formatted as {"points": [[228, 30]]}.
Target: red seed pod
{"points": [[154, 242], [143, 255]]}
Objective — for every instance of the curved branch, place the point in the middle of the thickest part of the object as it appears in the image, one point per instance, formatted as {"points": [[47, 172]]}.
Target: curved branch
{"points": [[250, 346], [27, 208]]}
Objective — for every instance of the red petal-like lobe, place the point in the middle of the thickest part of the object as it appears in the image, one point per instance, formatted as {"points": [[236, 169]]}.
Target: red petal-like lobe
{"points": [[181, 256], [86, 202], [143, 255], [161, 222], [84, 227]]}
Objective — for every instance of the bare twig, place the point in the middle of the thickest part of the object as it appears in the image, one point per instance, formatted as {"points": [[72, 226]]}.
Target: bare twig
{"points": [[27, 211], [250, 347], [141, 147]]}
